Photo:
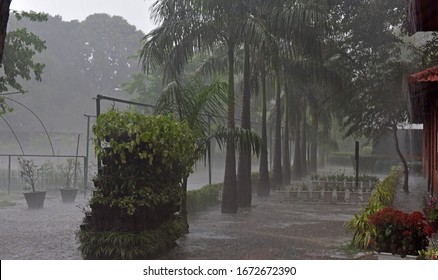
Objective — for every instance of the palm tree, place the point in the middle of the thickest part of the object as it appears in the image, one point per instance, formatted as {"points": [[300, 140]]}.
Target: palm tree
{"points": [[244, 166], [190, 26], [200, 106]]}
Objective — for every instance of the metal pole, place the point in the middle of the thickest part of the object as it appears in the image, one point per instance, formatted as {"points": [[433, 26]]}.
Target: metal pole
{"points": [[209, 153], [9, 175], [356, 157], [98, 141], [76, 161], [86, 156]]}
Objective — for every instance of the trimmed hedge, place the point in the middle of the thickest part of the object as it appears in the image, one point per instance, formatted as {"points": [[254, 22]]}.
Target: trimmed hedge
{"points": [[198, 200]]}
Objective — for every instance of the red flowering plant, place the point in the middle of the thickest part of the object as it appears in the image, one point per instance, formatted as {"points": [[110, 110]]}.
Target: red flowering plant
{"points": [[400, 233], [430, 210]]}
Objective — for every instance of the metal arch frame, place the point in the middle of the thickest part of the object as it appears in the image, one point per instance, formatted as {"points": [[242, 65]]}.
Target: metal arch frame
{"points": [[13, 132], [42, 124]]}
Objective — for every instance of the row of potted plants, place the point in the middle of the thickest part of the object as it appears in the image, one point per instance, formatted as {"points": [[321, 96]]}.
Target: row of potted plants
{"points": [[327, 194], [30, 173]]}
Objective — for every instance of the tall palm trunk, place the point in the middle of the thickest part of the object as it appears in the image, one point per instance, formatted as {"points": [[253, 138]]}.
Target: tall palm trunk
{"points": [[278, 172], [229, 193], [314, 143], [263, 187], [244, 166], [304, 142], [286, 150], [297, 170]]}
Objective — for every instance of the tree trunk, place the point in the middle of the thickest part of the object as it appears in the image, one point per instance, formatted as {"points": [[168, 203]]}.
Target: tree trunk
{"points": [[277, 170], [297, 170], [229, 193], [286, 150], [402, 159], [314, 144], [263, 187], [4, 17], [244, 166], [183, 207], [304, 142]]}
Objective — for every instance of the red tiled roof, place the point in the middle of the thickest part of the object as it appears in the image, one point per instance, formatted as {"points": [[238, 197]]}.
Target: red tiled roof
{"points": [[428, 75]]}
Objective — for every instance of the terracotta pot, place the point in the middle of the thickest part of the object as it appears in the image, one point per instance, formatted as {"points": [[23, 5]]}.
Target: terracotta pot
{"points": [[354, 197], [316, 195], [340, 196], [328, 195], [293, 195], [304, 195]]}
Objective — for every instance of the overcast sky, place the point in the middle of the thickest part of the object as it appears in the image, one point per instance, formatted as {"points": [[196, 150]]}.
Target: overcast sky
{"points": [[136, 12]]}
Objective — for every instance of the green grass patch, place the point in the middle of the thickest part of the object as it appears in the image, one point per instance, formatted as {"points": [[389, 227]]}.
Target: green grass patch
{"points": [[5, 200]]}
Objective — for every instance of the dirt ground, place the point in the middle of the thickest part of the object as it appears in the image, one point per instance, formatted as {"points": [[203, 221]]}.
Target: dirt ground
{"points": [[273, 228]]}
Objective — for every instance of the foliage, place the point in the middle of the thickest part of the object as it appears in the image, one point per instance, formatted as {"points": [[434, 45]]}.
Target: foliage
{"points": [[340, 177], [127, 245], [198, 200], [82, 58], [383, 196], [429, 53], [145, 159], [20, 49], [430, 208], [29, 172], [385, 191], [431, 253], [400, 233], [67, 170]]}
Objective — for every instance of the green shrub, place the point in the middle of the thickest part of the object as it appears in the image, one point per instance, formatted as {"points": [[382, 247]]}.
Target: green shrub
{"points": [[198, 200], [114, 245], [138, 189], [382, 196], [143, 162]]}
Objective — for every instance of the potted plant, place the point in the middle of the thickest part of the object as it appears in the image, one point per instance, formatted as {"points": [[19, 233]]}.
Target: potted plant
{"points": [[316, 193], [293, 193], [366, 194], [328, 193], [430, 210], [304, 192], [29, 173], [400, 233], [340, 193], [68, 170], [353, 194]]}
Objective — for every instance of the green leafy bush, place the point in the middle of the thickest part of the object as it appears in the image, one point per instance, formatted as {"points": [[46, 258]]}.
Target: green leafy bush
{"points": [[144, 159], [138, 189], [383, 196], [198, 200], [115, 245]]}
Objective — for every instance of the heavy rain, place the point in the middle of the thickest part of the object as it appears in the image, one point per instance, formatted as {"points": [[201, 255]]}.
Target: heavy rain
{"points": [[225, 130]]}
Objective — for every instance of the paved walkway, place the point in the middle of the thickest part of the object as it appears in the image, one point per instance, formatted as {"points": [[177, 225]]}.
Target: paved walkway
{"points": [[272, 229]]}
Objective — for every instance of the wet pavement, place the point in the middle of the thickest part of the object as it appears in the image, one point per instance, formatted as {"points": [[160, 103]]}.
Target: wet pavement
{"points": [[273, 228]]}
